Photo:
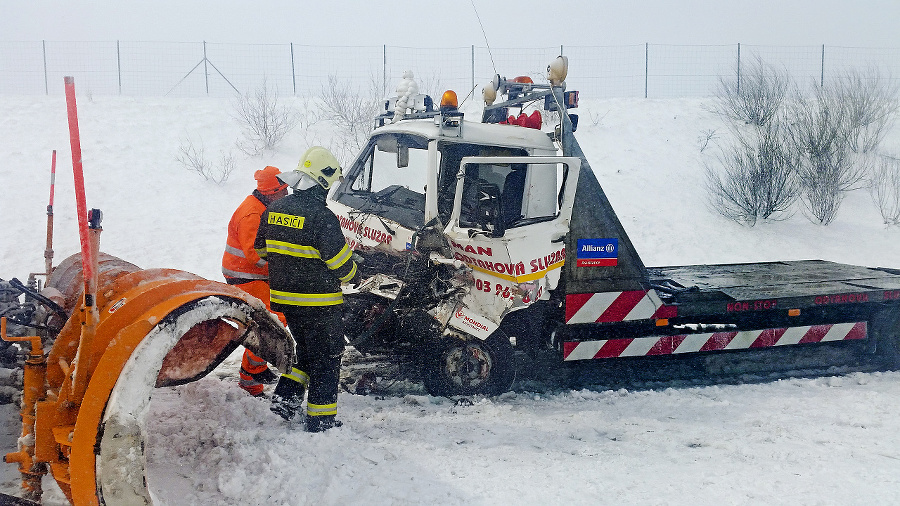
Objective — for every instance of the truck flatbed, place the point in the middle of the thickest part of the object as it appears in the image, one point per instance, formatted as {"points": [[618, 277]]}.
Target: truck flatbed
{"points": [[703, 289]]}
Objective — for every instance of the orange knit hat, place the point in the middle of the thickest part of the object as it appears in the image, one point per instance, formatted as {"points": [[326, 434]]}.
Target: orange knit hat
{"points": [[267, 181]]}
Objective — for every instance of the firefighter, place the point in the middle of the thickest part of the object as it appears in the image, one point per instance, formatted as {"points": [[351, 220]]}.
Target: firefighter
{"points": [[308, 260], [243, 268]]}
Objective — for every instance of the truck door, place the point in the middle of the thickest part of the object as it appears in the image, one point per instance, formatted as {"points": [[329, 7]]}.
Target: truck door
{"points": [[509, 219]]}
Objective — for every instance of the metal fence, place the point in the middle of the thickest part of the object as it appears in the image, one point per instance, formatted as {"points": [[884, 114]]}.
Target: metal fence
{"points": [[193, 69]]}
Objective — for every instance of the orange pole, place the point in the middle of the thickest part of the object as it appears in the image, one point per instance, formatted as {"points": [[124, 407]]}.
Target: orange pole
{"points": [[34, 390], [89, 316], [80, 201]]}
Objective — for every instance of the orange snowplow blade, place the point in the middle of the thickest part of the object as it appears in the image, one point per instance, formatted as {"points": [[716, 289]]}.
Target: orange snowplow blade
{"points": [[157, 327]]}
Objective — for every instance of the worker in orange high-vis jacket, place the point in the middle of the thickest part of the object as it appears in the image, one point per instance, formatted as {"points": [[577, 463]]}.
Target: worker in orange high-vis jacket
{"points": [[308, 260], [243, 268]]}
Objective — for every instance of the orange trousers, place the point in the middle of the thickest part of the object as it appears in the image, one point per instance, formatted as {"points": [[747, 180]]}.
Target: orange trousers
{"points": [[250, 363]]}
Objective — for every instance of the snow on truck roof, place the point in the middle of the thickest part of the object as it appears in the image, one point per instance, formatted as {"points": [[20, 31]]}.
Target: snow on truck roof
{"points": [[474, 132]]}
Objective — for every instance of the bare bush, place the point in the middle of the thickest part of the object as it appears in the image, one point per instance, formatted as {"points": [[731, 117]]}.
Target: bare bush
{"points": [[756, 179], [194, 160], [352, 112], [596, 117], [820, 132], [264, 121], [754, 94], [706, 136], [885, 189], [432, 85], [823, 201], [871, 102]]}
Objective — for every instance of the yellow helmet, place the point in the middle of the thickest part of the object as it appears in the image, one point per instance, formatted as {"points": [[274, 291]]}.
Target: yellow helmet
{"points": [[321, 165]]}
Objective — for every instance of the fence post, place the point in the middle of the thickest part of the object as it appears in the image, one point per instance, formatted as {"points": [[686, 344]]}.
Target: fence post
{"points": [[646, 67], [739, 70], [383, 68], [560, 49], [473, 69], [44, 50], [119, 66], [822, 79], [205, 70], [293, 73]]}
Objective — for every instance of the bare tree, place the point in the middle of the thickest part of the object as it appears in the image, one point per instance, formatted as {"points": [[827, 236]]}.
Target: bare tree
{"points": [[754, 94], [194, 160], [756, 178], [352, 112], [264, 121], [885, 189], [871, 102]]}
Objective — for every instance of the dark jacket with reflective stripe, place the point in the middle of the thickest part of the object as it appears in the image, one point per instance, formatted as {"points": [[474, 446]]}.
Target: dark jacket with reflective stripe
{"points": [[307, 254]]}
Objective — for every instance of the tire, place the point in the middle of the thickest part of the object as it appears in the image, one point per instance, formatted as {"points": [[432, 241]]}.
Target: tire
{"points": [[468, 366]]}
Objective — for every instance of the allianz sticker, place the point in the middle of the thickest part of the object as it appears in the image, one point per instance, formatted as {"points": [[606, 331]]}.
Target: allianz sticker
{"points": [[119, 303], [597, 253]]}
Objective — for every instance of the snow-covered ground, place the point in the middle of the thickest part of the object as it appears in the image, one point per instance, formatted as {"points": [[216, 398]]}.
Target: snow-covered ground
{"points": [[832, 439]]}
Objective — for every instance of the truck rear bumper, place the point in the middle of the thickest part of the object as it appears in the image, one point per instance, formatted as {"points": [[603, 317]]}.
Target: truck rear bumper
{"points": [[712, 341]]}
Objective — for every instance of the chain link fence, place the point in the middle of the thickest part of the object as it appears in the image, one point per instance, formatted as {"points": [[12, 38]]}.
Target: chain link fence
{"points": [[196, 69]]}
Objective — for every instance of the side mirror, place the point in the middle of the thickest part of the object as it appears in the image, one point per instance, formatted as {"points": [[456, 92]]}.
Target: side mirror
{"points": [[402, 156]]}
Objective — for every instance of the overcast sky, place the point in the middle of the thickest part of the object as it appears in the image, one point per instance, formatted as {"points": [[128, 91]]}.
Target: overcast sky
{"points": [[453, 23]]}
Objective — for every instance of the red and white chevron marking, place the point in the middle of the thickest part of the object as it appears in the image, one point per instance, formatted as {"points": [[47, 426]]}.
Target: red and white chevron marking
{"points": [[691, 343], [608, 307]]}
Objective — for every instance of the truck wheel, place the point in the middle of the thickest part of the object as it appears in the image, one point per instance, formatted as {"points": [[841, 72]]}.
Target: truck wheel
{"points": [[467, 366], [886, 330]]}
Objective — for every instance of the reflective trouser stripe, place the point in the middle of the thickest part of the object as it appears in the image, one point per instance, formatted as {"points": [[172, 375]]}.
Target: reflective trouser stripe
{"points": [[321, 409], [249, 384], [306, 299], [251, 363], [255, 361], [298, 376]]}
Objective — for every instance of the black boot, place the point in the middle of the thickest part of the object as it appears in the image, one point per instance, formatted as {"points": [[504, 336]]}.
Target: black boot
{"points": [[321, 423], [287, 400]]}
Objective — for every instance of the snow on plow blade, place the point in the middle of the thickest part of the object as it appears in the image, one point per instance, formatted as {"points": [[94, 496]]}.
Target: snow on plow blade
{"points": [[157, 327]]}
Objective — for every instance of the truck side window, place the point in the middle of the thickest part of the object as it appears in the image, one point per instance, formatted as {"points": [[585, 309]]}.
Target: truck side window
{"points": [[511, 189]]}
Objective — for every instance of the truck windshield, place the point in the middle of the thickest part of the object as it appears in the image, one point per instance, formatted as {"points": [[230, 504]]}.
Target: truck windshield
{"points": [[388, 179], [392, 160]]}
